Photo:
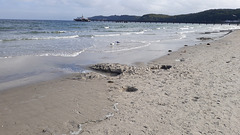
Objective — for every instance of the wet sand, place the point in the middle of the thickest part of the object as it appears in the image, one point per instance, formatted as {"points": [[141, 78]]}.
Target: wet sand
{"points": [[192, 91]]}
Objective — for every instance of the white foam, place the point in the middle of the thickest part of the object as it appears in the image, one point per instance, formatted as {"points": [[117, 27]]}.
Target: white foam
{"points": [[107, 35], [157, 41], [141, 32], [43, 38], [75, 54], [186, 28], [183, 36], [128, 49], [128, 33], [185, 32], [61, 31], [8, 57], [63, 37]]}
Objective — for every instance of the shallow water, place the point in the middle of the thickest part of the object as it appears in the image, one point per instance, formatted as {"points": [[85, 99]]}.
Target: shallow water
{"points": [[35, 50]]}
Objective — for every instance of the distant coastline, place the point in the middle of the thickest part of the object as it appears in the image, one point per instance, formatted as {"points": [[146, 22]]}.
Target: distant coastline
{"points": [[230, 16]]}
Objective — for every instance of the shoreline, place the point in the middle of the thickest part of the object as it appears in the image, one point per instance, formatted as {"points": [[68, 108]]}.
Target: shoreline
{"points": [[147, 44], [191, 96]]}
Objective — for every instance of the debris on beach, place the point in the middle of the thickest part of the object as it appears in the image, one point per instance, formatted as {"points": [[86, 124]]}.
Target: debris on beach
{"points": [[183, 51], [131, 89], [44, 131], [155, 67], [110, 82], [166, 67], [180, 60], [77, 132], [195, 99], [115, 106], [113, 69], [85, 76], [116, 68], [109, 115]]}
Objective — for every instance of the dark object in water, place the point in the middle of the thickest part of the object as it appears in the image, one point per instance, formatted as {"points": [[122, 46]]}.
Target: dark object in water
{"points": [[166, 67], [208, 43], [131, 89], [169, 50]]}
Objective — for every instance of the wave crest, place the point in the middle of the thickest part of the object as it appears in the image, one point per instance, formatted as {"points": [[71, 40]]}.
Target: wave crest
{"points": [[42, 38]]}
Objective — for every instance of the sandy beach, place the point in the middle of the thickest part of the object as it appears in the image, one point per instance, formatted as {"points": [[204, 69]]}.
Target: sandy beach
{"points": [[192, 91]]}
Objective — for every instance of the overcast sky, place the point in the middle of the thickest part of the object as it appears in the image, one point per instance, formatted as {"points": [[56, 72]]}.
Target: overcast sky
{"points": [[69, 9]]}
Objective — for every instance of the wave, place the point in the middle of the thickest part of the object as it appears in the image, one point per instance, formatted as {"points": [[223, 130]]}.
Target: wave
{"points": [[7, 28], [186, 28], [6, 57], [157, 41], [40, 32], [43, 38], [140, 32], [63, 54], [91, 36], [108, 35], [63, 37], [75, 54], [183, 36], [119, 33], [35, 32], [128, 49], [128, 33], [185, 32], [58, 32]]}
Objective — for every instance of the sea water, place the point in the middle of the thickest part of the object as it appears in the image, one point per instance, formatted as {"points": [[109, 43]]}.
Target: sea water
{"points": [[37, 50]]}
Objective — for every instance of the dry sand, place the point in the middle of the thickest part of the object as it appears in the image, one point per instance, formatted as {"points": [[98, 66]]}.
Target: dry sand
{"points": [[199, 94]]}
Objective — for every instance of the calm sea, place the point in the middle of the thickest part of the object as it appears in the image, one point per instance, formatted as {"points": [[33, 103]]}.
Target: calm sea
{"points": [[32, 50]]}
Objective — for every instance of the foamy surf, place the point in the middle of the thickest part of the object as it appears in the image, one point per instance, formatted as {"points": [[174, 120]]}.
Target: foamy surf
{"points": [[126, 49], [107, 35], [42, 38], [75, 54]]}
